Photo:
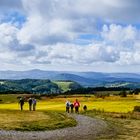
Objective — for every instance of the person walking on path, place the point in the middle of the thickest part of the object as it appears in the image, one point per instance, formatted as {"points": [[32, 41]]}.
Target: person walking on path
{"points": [[30, 101], [34, 104], [21, 102], [76, 105], [67, 106], [71, 107]]}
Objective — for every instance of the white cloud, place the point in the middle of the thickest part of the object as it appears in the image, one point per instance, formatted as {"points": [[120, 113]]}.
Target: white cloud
{"points": [[7, 34], [56, 21], [125, 40], [116, 10], [118, 34], [39, 31], [10, 48], [71, 54], [75, 54]]}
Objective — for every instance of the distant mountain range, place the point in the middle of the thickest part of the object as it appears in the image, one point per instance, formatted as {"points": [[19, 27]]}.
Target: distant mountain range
{"points": [[91, 79]]}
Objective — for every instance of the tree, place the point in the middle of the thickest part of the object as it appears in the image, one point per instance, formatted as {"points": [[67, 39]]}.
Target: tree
{"points": [[123, 93], [136, 91]]}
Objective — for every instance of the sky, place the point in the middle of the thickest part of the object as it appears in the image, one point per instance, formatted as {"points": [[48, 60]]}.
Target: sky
{"points": [[70, 35]]}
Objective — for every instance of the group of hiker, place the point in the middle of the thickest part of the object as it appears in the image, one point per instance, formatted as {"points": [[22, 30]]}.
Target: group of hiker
{"points": [[69, 106], [31, 101], [76, 105]]}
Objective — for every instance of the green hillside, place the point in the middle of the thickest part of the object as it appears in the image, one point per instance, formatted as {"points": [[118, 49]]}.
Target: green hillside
{"points": [[28, 86], [36, 86]]}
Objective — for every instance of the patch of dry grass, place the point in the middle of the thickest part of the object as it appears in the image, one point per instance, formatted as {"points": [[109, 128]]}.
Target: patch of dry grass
{"points": [[123, 126], [37, 120]]}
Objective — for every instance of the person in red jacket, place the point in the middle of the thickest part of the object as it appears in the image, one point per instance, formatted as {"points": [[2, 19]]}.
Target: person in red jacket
{"points": [[76, 106]]}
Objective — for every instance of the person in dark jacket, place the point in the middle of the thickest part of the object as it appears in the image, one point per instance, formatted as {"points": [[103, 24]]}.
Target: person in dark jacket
{"points": [[30, 101], [71, 107], [21, 102]]}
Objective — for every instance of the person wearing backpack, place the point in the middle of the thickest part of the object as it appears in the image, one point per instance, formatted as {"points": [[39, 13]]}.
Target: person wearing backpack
{"points": [[76, 106], [21, 102], [67, 106]]}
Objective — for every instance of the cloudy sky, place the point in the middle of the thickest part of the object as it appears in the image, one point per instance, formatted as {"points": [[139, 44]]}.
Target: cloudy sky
{"points": [[71, 35]]}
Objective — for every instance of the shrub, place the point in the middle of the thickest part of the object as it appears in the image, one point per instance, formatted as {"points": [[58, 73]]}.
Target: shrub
{"points": [[136, 109], [136, 92], [123, 93]]}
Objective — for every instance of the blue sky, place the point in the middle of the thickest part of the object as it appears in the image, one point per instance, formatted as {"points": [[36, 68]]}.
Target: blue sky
{"points": [[81, 35]]}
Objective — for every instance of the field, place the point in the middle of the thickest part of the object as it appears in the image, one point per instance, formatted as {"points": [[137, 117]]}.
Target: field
{"points": [[50, 114], [109, 104]]}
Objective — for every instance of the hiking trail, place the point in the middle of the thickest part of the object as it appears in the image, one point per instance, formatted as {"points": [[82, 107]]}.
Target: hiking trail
{"points": [[87, 129]]}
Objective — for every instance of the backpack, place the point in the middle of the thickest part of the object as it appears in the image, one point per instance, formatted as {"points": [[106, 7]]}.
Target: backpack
{"points": [[76, 104], [30, 101], [67, 104], [71, 105], [34, 101], [21, 101]]}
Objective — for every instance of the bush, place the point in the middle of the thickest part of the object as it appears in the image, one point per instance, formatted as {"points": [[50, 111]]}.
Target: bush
{"points": [[136, 109], [136, 92], [130, 92], [123, 93]]}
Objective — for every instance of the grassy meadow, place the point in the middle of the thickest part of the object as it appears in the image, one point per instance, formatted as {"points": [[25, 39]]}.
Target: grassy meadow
{"points": [[109, 104], [34, 121], [63, 85]]}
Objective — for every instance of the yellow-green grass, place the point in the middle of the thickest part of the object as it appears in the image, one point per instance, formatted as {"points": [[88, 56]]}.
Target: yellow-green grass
{"points": [[33, 120], [109, 104]]}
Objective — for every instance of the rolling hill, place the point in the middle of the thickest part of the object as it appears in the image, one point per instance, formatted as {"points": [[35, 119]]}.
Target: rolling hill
{"points": [[87, 79], [37, 86], [29, 85]]}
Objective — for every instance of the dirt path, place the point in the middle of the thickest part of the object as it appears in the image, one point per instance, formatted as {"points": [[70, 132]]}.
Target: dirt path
{"points": [[87, 129]]}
